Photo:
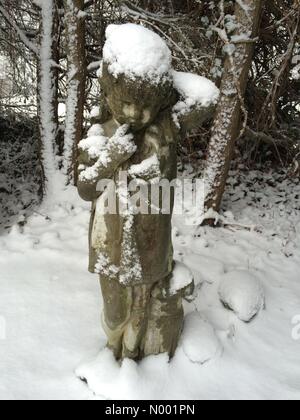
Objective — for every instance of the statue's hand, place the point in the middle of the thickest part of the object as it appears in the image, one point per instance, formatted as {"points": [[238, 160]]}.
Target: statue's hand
{"points": [[101, 156], [121, 145], [148, 170], [84, 159]]}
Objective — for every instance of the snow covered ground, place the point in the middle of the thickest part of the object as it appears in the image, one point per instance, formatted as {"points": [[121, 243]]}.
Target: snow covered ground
{"points": [[50, 306]]}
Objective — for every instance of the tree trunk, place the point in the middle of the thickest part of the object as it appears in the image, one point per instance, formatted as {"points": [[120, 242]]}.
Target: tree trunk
{"points": [[48, 91], [227, 123], [75, 32]]}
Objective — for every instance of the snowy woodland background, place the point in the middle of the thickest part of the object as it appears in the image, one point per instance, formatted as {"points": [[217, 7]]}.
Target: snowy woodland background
{"points": [[50, 53], [49, 61]]}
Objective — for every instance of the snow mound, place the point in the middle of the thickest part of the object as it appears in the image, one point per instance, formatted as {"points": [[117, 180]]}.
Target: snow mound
{"points": [[243, 293], [98, 371], [128, 380], [136, 52], [199, 340], [181, 279], [195, 90]]}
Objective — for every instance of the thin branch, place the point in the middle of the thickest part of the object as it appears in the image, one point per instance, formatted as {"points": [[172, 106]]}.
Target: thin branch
{"points": [[136, 11], [30, 45], [167, 37]]}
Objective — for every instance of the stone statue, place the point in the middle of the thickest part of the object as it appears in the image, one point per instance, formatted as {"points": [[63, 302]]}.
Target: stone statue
{"points": [[145, 113]]}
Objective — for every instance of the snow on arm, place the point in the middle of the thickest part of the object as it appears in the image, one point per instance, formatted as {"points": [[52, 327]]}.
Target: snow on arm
{"points": [[105, 154], [149, 169], [196, 94], [136, 52], [94, 146]]}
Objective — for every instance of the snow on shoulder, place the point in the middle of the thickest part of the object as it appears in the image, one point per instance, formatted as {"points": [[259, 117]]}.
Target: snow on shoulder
{"points": [[243, 293], [195, 91], [137, 52]]}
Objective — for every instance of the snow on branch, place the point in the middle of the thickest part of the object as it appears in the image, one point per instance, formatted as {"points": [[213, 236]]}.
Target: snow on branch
{"points": [[246, 8], [30, 45], [95, 65], [136, 11]]}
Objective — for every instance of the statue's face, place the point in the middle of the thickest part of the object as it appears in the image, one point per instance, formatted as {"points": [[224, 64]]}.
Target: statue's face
{"points": [[136, 112], [136, 103]]}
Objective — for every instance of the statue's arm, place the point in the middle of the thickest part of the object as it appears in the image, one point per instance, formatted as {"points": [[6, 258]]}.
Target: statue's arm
{"points": [[119, 149], [195, 117], [198, 98], [87, 189], [148, 170]]}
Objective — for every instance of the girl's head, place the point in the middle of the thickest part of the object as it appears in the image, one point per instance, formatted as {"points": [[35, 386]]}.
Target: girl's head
{"points": [[134, 102], [136, 75]]}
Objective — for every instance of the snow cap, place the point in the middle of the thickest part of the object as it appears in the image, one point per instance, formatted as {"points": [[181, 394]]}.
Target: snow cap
{"points": [[137, 52]]}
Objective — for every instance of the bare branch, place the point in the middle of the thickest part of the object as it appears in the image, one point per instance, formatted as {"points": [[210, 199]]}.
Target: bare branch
{"points": [[22, 35]]}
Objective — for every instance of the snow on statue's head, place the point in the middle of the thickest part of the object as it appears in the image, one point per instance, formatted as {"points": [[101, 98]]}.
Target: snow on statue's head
{"points": [[136, 74]]}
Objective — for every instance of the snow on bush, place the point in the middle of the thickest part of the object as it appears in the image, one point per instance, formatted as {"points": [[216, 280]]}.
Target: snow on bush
{"points": [[199, 340], [20, 171], [136, 52], [243, 293]]}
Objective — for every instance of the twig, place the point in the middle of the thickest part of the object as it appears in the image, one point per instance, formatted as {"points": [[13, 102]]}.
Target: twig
{"points": [[30, 45]]}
